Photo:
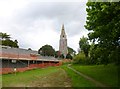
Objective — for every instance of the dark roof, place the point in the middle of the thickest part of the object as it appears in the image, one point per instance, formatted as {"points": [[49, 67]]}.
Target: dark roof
{"points": [[6, 49], [19, 51]]}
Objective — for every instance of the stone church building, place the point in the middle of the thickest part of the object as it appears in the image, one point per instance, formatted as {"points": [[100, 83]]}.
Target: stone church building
{"points": [[63, 42]]}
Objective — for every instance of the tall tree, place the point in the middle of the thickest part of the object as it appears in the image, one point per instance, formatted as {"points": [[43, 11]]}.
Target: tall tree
{"points": [[16, 41], [57, 54], [104, 22], [68, 56], [84, 45], [71, 51], [29, 49], [10, 43], [4, 36], [46, 50], [6, 41]]}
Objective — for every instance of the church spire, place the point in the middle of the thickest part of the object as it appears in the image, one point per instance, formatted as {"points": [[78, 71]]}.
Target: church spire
{"points": [[63, 26], [63, 42], [63, 35]]}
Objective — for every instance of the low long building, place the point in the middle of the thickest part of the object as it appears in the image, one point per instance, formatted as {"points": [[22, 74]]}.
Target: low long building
{"points": [[19, 60]]}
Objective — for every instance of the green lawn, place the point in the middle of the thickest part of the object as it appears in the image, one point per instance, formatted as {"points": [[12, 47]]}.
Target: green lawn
{"points": [[47, 77], [77, 80], [105, 74], [0, 81], [62, 77]]}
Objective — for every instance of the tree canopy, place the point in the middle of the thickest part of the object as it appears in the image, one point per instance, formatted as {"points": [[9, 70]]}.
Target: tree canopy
{"points": [[4, 36], [71, 50], [68, 56], [57, 54], [9, 43], [104, 22], [6, 41], [84, 45], [46, 50]]}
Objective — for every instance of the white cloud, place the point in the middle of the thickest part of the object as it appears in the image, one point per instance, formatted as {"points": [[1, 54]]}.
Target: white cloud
{"points": [[34, 23]]}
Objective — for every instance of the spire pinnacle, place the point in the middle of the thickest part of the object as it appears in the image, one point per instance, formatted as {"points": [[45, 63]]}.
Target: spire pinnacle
{"points": [[62, 26], [63, 30]]}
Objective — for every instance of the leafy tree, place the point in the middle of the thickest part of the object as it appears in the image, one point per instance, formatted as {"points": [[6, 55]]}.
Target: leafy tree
{"points": [[57, 54], [62, 56], [71, 51], [84, 45], [4, 36], [6, 41], [10, 43], [29, 49], [79, 58], [92, 54], [104, 20], [16, 41], [46, 50], [95, 54], [68, 56]]}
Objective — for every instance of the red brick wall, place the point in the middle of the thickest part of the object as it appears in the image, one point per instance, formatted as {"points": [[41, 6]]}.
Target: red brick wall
{"points": [[31, 66]]}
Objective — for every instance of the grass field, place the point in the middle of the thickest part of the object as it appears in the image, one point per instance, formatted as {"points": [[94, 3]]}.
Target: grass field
{"points": [[77, 80], [105, 74], [62, 77], [48, 77]]}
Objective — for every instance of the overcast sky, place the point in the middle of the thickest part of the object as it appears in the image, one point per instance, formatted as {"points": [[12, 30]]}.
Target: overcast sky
{"points": [[35, 23]]}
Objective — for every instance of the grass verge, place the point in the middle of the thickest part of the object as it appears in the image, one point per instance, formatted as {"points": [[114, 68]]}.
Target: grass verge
{"points": [[47, 77], [77, 80], [105, 74]]}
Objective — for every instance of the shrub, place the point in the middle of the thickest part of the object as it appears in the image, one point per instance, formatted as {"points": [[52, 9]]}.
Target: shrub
{"points": [[68, 56], [79, 59]]}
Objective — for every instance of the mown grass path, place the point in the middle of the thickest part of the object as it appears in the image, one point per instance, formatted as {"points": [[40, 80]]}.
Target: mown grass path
{"points": [[98, 84], [105, 74]]}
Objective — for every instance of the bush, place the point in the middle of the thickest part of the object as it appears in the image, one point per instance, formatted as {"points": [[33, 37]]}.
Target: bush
{"points": [[79, 59], [68, 56]]}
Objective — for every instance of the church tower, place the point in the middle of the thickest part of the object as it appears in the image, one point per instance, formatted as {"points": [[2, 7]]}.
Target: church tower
{"points": [[63, 42]]}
